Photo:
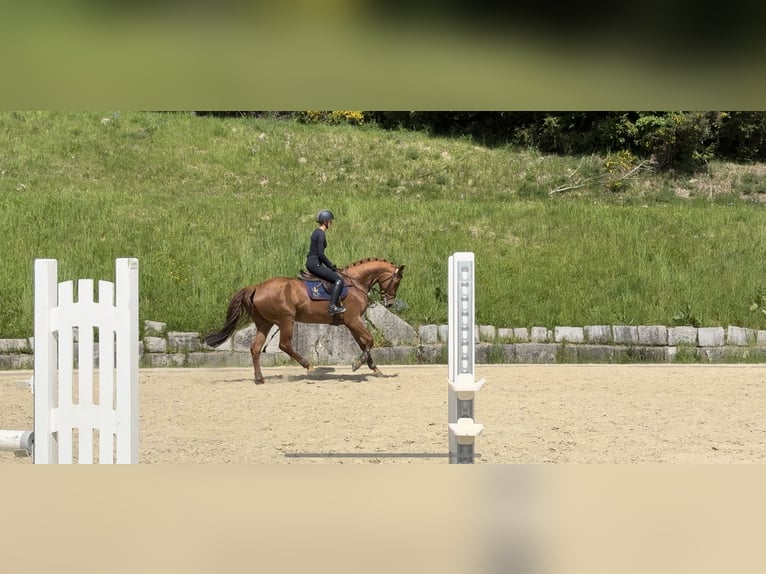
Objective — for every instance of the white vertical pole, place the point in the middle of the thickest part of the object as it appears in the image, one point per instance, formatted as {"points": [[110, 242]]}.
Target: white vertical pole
{"points": [[45, 360], [106, 335], [127, 360], [463, 312], [451, 319], [63, 419], [85, 359], [462, 354], [452, 354]]}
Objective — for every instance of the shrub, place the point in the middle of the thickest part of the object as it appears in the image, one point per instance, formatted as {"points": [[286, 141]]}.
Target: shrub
{"points": [[332, 117], [677, 140], [618, 167], [742, 136]]}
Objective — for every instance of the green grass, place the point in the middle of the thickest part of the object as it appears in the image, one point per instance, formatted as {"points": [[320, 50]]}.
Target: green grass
{"points": [[209, 205]]}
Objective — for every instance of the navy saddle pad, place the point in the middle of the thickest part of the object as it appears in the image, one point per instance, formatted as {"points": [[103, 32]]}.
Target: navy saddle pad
{"points": [[317, 291]]}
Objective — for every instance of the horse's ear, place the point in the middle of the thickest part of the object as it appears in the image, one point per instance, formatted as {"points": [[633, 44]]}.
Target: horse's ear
{"points": [[399, 270]]}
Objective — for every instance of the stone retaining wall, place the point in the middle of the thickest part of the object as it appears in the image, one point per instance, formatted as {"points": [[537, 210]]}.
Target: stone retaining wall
{"points": [[398, 343]]}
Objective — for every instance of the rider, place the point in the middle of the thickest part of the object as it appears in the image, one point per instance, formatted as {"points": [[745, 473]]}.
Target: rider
{"points": [[318, 263]]}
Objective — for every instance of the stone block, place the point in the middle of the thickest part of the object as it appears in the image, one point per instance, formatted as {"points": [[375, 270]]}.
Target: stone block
{"points": [[433, 354], [325, 344], [154, 329], [536, 352], [625, 334], [568, 335], [399, 355], [509, 354], [593, 353], [710, 336], [494, 353], [443, 333], [394, 329], [272, 341], [184, 342], [598, 333], [227, 345], [243, 339], [642, 354], [155, 345], [487, 333], [15, 346], [207, 359], [15, 362], [428, 334], [684, 335], [748, 354], [539, 335], [505, 334], [712, 354], [521, 334], [653, 335], [740, 336], [163, 360]]}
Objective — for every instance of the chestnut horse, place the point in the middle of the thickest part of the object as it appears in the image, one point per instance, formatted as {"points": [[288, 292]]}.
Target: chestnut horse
{"points": [[283, 301]]}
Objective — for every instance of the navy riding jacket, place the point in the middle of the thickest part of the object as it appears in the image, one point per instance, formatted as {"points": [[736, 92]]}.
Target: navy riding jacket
{"points": [[316, 253]]}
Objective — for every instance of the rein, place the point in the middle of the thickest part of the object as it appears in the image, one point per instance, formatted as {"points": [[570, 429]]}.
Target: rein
{"points": [[369, 289]]}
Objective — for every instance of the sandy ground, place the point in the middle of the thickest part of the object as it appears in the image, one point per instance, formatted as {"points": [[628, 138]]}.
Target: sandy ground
{"points": [[531, 414]]}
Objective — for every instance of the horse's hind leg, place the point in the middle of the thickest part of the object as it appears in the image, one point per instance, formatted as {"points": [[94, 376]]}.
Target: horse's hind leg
{"points": [[286, 344], [263, 327]]}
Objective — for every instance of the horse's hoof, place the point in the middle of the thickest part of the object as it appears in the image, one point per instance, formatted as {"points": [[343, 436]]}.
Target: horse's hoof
{"points": [[356, 365], [259, 381], [377, 372]]}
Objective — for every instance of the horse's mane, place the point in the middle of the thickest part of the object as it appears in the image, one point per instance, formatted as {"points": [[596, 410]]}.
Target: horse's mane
{"points": [[368, 260]]}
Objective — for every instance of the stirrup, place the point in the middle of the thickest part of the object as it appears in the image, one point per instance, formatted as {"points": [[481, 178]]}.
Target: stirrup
{"points": [[336, 309]]}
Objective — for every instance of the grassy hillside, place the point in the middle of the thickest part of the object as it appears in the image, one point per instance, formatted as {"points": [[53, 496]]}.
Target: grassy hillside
{"points": [[209, 205]]}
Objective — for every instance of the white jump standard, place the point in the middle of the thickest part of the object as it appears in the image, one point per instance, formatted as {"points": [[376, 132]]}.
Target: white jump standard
{"points": [[58, 415], [462, 353], [85, 418]]}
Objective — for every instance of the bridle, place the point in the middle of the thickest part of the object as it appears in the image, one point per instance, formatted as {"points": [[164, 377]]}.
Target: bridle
{"points": [[387, 298]]}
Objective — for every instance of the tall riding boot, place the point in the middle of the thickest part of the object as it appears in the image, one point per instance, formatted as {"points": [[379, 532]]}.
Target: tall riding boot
{"points": [[335, 306]]}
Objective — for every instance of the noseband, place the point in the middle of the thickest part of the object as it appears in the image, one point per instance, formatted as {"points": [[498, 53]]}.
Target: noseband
{"points": [[384, 290]]}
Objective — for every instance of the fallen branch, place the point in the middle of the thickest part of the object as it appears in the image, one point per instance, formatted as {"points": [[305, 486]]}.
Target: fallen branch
{"points": [[583, 183]]}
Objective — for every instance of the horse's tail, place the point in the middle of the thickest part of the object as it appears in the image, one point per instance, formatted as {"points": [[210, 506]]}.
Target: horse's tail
{"points": [[240, 308]]}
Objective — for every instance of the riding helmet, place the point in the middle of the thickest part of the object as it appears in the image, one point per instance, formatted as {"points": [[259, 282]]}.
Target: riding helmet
{"points": [[325, 215]]}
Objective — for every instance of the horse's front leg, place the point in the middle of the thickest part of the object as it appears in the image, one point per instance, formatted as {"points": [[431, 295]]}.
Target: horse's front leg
{"points": [[371, 363], [364, 357], [365, 341]]}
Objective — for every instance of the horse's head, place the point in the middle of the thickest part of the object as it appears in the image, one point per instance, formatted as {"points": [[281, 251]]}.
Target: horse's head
{"points": [[389, 285], [382, 272]]}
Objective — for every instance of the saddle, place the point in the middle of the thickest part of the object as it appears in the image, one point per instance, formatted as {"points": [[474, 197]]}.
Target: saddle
{"points": [[319, 289]]}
